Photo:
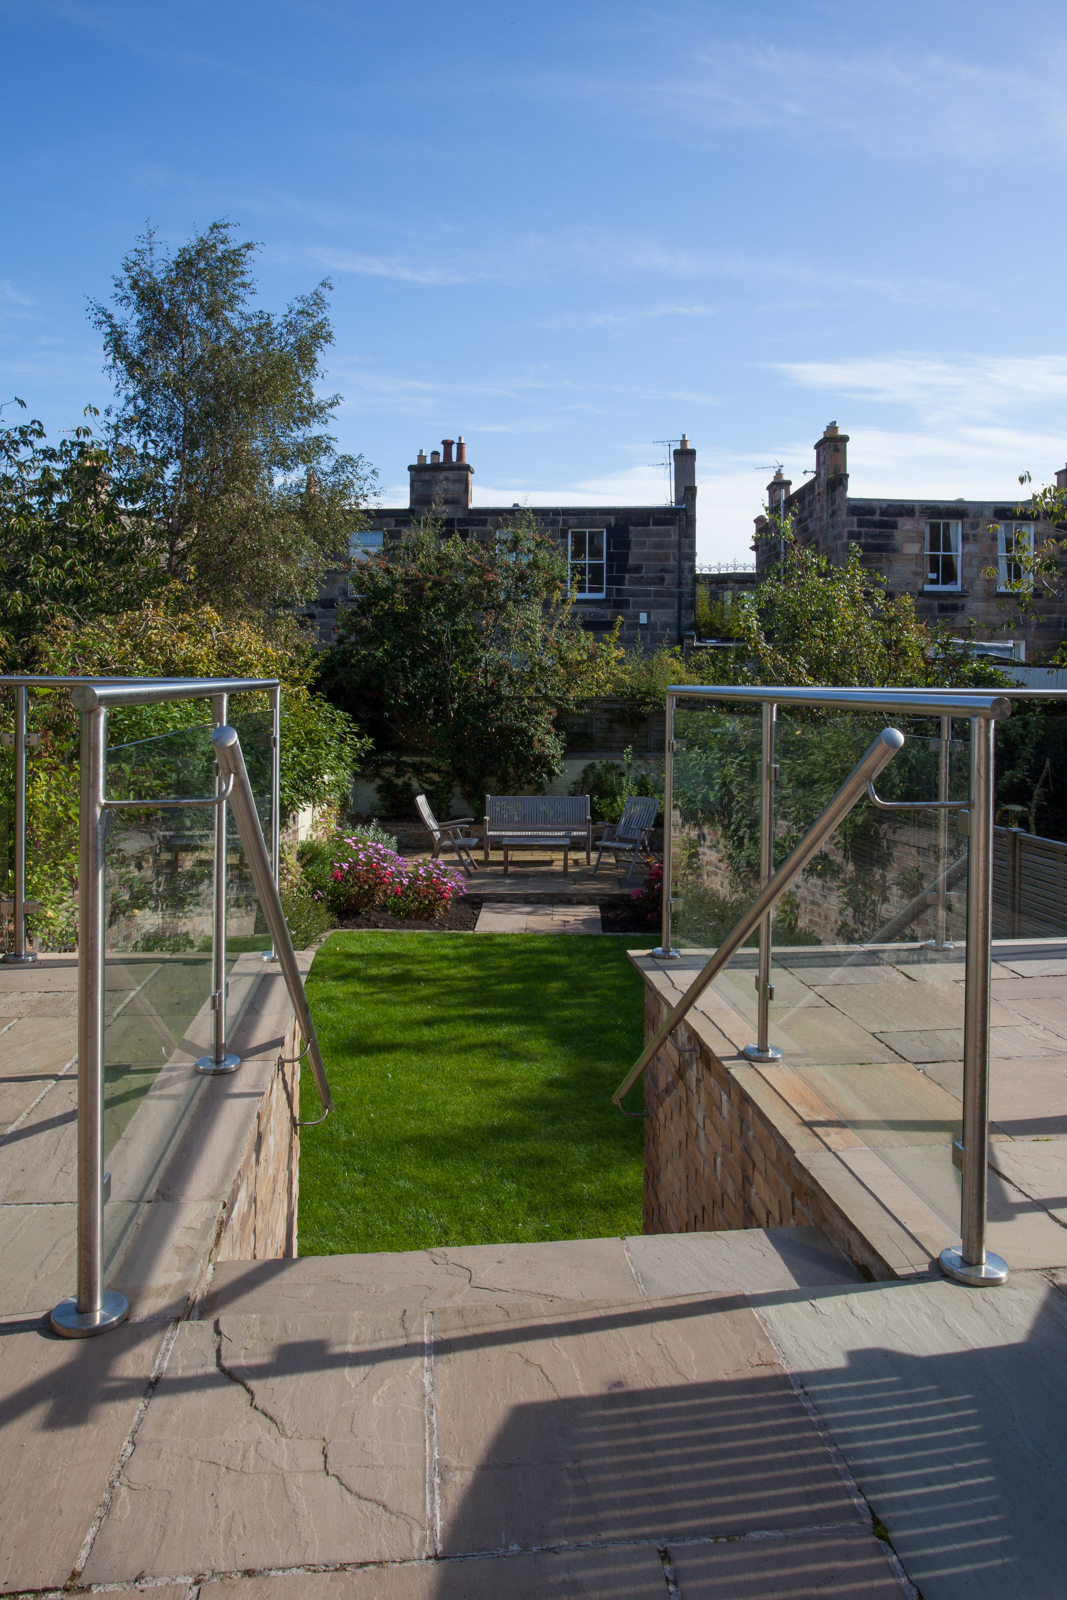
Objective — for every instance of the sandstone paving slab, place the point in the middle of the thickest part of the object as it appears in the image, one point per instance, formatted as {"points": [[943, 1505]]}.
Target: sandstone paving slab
{"points": [[1019, 1226], [656, 1420], [17, 1095], [421, 1280], [881, 1008], [849, 1564], [45, 975], [46, 1003], [37, 1257], [38, 1044], [66, 1407], [743, 1261], [1033, 966], [830, 1036], [38, 1159], [275, 1441], [818, 974], [1027, 1096], [164, 1255], [891, 1103], [1009, 987], [1038, 1167], [617, 1572], [1048, 1011], [950, 1407], [946, 1044]]}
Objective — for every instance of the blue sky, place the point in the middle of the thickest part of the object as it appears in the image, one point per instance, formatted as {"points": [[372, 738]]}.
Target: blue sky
{"points": [[568, 230]]}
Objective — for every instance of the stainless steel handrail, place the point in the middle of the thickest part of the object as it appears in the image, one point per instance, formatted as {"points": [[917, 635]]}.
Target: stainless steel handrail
{"points": [[903, 702], [94, 1309], [972, 1263], [232, 765], [881, 752]]}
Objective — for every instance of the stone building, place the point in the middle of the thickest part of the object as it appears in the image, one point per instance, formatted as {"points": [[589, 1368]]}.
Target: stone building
{"points": [[633, 562], [936, 551]]}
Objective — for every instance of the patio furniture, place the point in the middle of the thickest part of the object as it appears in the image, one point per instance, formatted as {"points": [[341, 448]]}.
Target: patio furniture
{"points": [[538, 841], [538, 816], [449, 835], [630, 834]]}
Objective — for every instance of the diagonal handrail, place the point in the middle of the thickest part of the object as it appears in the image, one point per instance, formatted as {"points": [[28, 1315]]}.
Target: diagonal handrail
{"points": [[231, 762], [881, 752]]}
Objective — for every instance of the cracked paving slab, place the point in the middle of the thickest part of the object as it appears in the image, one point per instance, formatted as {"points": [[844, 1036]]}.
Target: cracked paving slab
{"points": [[279, 1441], [652, 1420]]}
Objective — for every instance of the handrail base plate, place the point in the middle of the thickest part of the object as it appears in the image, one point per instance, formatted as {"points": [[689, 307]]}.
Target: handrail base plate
{"points": [[70, 1323], [978, 1275], [215, 1068]]}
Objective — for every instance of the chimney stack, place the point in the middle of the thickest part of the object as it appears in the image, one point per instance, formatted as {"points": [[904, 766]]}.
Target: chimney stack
{"points": [[778, 491], [685, 470], [1061, 478], [442, 487], [831, 456]]}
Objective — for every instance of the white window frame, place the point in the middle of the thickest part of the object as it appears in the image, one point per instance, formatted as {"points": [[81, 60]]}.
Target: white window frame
{"points": [[933, 559], [369, 541], [578, 565], [1008, 536]]}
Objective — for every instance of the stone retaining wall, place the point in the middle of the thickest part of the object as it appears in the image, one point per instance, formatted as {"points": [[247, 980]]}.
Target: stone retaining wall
{"points": [[261, 1214], [712, 1160]]}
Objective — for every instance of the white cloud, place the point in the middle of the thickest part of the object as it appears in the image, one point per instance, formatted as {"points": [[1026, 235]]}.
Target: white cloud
{"points": [[939, 389], [918, 106]]}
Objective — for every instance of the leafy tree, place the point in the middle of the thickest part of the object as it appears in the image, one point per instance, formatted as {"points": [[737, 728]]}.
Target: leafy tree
{"points": [[1036, 570], [812, 622], [458, 656], [170, 637], [219, 434], [68, 547]]}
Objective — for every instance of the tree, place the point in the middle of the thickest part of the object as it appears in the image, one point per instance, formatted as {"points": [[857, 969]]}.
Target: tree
{"points": [[457, 657], [812, 622], [219, 434], [68, 547]]}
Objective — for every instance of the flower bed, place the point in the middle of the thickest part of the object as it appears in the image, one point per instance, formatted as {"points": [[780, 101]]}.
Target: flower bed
{"points": [[365, 876]]}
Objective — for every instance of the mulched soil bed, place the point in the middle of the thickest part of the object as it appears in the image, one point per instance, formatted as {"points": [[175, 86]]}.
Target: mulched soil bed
{"points": [[462, 917], [620, 914]]}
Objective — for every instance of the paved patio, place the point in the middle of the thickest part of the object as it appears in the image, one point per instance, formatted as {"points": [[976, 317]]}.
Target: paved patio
{"points": [[691, 1415]]}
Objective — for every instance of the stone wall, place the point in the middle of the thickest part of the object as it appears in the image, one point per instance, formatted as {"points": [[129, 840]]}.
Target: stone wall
{"points": [[261, 1214], [711, 1159]]}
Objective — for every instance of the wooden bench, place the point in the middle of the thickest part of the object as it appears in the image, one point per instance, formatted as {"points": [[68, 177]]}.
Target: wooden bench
{"points": [[538, 817]]}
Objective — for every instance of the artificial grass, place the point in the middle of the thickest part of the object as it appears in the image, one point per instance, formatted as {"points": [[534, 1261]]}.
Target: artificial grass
{"points": [[472, 1077]]}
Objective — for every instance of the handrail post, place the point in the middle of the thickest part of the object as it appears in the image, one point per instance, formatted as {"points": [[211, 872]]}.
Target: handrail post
{"points": [[941, 939], [763, 1050], [664, 951], [220, 1060], [93, 1309], [275, 795], [18, 897], [972, 1263]]}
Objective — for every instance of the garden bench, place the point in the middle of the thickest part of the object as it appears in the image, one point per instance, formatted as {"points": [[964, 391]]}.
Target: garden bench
{"points": [[630, 834], [544, 818]]}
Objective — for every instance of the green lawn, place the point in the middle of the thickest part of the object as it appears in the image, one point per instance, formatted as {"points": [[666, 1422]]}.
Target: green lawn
{"points": [[472, 1077]]}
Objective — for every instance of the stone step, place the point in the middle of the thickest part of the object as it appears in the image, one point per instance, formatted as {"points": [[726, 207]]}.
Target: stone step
{"points": [[560, 1273]]}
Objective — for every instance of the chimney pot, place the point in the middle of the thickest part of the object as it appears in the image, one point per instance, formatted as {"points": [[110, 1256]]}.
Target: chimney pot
{"points": [[435, 458], [446, 446], [461, 449], [421, 458]]}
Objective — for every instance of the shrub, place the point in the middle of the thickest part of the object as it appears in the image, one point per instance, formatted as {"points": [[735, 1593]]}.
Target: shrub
{"points": [[352, 873], [650, 894], [609, 784]]}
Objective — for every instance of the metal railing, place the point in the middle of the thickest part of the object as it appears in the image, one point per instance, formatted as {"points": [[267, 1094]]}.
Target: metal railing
{"points": [[93, 1309], [972, 1263]]}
